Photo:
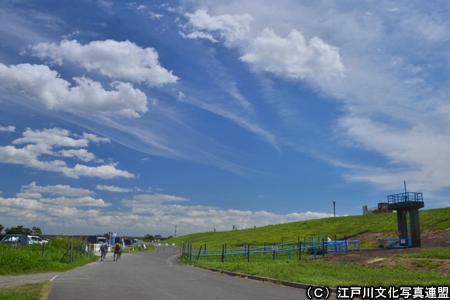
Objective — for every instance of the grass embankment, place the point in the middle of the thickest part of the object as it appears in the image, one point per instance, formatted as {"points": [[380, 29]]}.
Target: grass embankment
{"points": [[331, 274], [322, 271], [339, 227]]}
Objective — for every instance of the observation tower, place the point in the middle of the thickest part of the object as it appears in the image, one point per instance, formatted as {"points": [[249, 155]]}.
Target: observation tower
{"points": [[407, 203]]}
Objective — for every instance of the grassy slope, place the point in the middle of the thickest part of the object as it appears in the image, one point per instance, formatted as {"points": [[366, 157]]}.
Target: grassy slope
{"points": [[432, 219]]}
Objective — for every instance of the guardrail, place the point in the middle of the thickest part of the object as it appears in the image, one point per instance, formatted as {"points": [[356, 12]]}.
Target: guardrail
{"points": [[288, 251], [403, 197], [396, 242]]}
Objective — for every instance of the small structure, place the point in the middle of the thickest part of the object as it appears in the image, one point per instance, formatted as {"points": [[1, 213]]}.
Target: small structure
{"points": [[407, 203], [382, 208]]}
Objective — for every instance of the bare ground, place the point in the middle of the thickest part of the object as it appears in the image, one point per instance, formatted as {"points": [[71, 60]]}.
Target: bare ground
{"points": [[382, 257]]}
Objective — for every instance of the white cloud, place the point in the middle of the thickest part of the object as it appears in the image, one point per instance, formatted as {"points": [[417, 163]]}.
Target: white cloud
{"points": [[51, 137], [45, 142], [7, 129], [81, 154], [146, 213], [229, 27], [199, 35], [75, 202], [56, 190], [157, 209], [120, 60], [113, 189], [293, 57], [44, 86]]}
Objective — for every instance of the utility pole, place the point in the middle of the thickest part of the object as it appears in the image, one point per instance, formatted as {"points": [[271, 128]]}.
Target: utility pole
{"points": [[334, 208], [175, 231]]}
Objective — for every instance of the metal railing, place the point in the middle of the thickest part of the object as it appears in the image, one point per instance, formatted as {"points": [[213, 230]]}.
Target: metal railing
{"points": [[288, 251], [403, 197], [396, 242]]}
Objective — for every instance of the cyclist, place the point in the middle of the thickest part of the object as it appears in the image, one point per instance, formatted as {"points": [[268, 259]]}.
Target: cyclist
{"points": [[117, 251], [103, 249]]}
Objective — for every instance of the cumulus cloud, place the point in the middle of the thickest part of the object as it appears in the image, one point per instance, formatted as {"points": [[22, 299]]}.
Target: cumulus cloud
{"points": [[229, 27], [76, 207], [41, 84], [159, 209], [119, 60], [7, 129], [46, 142], [56, 190], [293, 57]]}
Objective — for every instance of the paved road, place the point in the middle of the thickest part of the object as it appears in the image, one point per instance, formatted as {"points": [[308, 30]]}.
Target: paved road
{"points": [[159, 275]]}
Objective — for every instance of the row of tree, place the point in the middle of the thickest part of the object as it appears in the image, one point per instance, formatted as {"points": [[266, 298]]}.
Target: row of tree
{"points": [[37, 231], [21, 230]]}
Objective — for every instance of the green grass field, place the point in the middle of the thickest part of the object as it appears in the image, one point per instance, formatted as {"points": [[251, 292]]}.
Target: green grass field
{"points": [[24, 260], [324, 272], [38, 258], [339, 227]]}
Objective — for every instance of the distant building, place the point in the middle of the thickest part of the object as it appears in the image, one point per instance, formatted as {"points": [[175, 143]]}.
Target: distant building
{"points": [[367, 210], [382, 208]]}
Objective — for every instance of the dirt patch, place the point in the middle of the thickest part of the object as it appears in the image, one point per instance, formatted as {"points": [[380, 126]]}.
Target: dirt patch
{"points": [[383, 257]]}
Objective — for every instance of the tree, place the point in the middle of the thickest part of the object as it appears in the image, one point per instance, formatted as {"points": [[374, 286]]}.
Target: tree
{"points": [[18, 230], [36, 230], [149, 237], [1, 228]]}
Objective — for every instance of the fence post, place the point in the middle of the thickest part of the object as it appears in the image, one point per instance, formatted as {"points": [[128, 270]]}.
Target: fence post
{"points": [[199, 252], [223, 252], [68, 249], [248, 252], [204, 251], [345, 241], [323, 247], [299, 250]]}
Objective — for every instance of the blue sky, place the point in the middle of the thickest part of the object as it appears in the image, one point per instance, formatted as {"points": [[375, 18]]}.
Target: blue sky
{"points": [[136, 117]]}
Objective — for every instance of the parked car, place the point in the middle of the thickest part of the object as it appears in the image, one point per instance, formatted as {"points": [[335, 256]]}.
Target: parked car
{"points": [[139, 243], [17, 239], [38, 239]]}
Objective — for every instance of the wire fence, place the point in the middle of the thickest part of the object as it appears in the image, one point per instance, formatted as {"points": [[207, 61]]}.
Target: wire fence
{"points": [[312, 249], [73, 252]]}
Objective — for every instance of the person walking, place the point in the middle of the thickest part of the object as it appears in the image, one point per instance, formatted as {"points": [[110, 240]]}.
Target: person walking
{"points": [[103, 250], [117, 250]]}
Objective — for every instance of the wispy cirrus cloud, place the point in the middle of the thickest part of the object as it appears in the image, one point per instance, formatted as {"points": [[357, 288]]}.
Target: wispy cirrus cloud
{"points": [[113, 189]]}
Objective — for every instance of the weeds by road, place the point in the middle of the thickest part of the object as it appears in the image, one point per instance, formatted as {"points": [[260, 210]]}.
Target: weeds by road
{"points": [[37, 258], [29, 291]]}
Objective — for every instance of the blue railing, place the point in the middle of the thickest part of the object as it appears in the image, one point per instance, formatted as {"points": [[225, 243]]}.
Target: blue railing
{"points": [[403, 197], [396, 243], [292, 250]]}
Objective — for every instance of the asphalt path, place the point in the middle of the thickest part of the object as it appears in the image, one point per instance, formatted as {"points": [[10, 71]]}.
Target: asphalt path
{"points": [[159, 275]]}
